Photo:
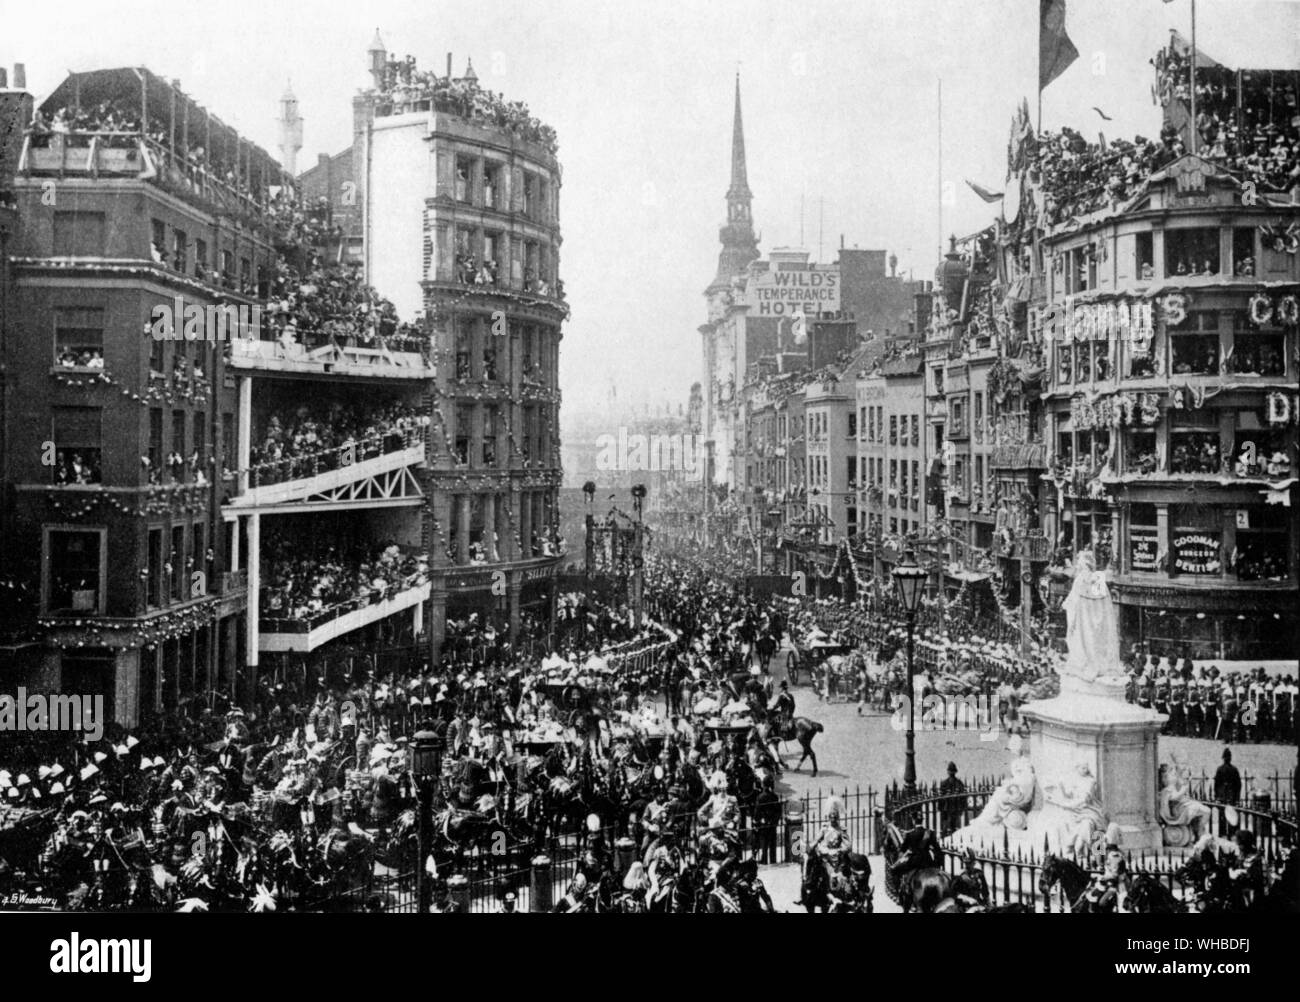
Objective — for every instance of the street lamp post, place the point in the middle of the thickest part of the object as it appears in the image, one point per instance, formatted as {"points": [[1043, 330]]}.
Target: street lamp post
{"points": [[426, 767], [589, 493], [638, 556], [910, 579]]}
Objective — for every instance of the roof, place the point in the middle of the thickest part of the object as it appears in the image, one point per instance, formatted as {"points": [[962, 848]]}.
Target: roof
{"points": [[910, 365]]}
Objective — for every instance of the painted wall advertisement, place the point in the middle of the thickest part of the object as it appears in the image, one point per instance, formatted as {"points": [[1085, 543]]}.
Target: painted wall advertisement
{"points": [[1196, 553], [1144, 548], [785, 293]]}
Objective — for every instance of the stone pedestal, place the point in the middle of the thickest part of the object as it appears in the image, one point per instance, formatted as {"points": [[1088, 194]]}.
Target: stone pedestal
{"points": [[1091, 722]]}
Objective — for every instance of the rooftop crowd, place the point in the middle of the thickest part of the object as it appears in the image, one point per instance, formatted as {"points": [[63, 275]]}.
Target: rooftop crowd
{"points": [[404, 87]]}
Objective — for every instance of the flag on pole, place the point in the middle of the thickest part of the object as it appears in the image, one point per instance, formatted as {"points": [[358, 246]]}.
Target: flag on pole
{"points": [[1055, 50], [984, 193]]}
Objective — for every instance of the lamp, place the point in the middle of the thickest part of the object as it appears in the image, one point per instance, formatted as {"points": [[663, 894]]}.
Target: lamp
{"points": [[426, 755], [426, 767], [910, 578]]}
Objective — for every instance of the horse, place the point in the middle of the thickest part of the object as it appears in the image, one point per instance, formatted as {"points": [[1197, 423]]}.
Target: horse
{"points": [[1149, 896], [914, 864], [800, 729], [818, 886], [1075, 883]]}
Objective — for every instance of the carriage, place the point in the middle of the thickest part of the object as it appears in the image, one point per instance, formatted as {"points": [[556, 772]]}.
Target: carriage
{"points": [[808, 659]]}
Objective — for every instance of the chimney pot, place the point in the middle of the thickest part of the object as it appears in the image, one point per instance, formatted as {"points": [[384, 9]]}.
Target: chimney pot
{"points": [[20, 76]]}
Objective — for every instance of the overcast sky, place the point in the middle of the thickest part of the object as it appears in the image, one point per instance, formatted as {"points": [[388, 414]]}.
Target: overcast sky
{"points": [[840, 104]]}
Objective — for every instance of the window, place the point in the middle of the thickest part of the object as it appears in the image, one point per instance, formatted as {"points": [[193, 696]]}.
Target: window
{"points": [[464, 417], [154, 583], [1196, 539], [75, 569], [1259, 449], [531, 202], [245, 276], [79, 337], [916, 484], [464, 173], [491, 253], [893, 429], [1191, 252], [490, 431], [1255, 352], [463, 338], [227, 269], [228, 441], [1193, 349], [853, 425], [1263, 543], [938, 380], [155, 444], [158, 241], [1139, 451], [176, 558], [916, 429], [852, 472], [178, 434], [1145, 258], [76, 436], [1243, 251], [490, 358], [201, 259], [902, 430], [493, 189], [179, 244], [1194, 442]]}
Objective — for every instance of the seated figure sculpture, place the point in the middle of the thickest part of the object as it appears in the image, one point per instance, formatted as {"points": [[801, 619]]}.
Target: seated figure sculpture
{"points": [[1072, 816], [1185, 821]]}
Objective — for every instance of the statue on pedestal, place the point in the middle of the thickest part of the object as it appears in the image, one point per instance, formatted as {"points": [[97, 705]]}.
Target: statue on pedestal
{"points": [[1092, 628]]}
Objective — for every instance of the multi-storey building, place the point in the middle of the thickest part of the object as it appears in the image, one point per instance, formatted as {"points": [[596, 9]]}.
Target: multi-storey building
{"points": [[891, 451], [461, 226], [124, 580], [1171, 408]]}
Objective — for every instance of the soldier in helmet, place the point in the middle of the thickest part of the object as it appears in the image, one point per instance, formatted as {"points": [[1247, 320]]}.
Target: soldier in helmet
{"points": [[1162, 693], [1146, 690], [1178, 687], [1211, 694], [1195, 712]]}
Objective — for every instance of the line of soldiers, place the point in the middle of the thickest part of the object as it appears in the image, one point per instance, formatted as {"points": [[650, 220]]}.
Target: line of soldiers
{"points": [[1234, 707]]}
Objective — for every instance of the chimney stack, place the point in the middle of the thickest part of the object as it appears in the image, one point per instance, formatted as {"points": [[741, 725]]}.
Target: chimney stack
{"points": [[4, 78], [20, 76], [448, 65]]}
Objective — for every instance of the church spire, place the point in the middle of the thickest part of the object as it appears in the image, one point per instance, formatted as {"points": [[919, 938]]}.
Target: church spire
{"points": [[739, 178], [739, 245]]}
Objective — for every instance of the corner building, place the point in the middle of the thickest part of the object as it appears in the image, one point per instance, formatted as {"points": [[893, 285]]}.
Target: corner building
{"points": [[461, 228]]}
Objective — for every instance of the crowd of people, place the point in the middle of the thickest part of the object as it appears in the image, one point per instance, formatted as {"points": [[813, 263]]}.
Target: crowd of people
{"points": [[302, 584], [1232, 706], [323, 303], [321, 437], [404, 87]]}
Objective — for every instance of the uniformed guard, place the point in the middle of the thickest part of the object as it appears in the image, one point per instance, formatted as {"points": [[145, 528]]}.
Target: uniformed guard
{"points": [[1211, 693], [1177, 706], [1146, 691], [1195, 712], [1162, 694], [1228, 709]]}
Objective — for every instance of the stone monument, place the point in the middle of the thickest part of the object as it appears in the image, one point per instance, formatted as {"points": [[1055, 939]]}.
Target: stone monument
{"points": [[1094, 755], [1090, 724]]}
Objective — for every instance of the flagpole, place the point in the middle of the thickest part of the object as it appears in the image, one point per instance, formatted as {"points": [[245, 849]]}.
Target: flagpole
{"points": [[940, 258], [1193, 80]]}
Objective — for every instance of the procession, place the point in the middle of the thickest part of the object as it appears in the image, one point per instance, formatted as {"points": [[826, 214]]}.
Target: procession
{"points": [[377, 539]]}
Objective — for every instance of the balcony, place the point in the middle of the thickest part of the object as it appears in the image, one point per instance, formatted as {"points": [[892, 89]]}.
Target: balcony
{"points": [[328, 357], [1029, 456], [131, 155], [371, 473], [282, 634]]}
